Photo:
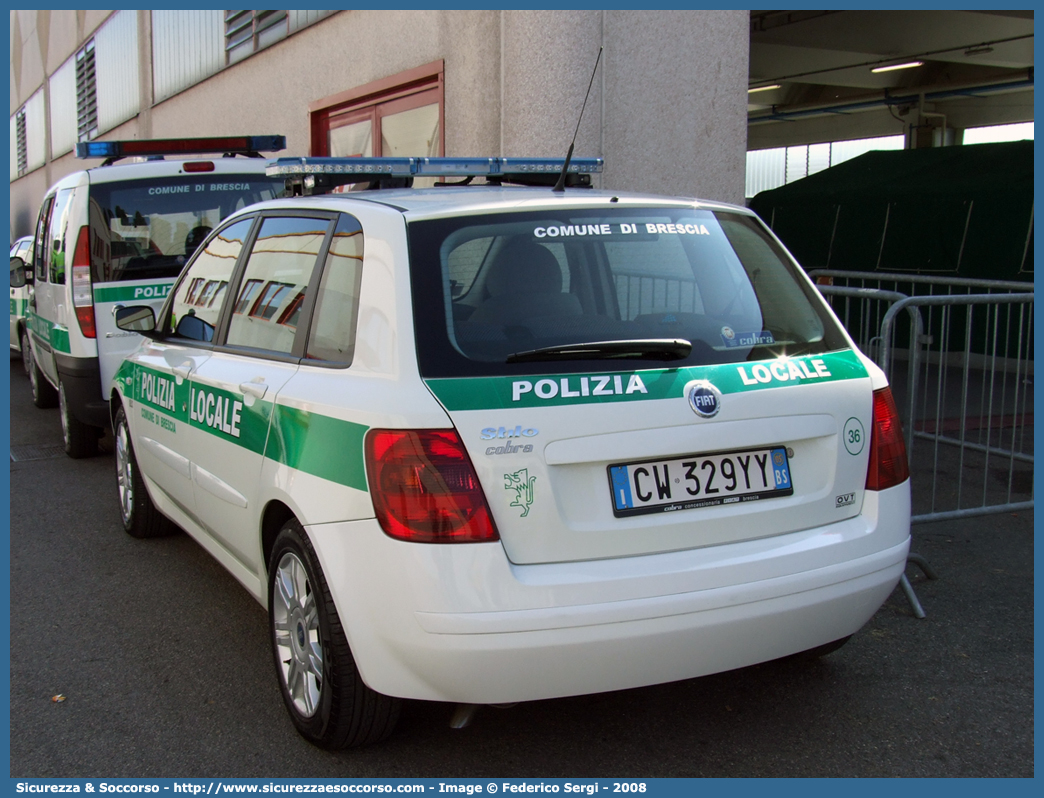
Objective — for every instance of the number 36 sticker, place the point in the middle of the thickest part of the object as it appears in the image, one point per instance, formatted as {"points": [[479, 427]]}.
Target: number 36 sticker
{"points": [[854, 436]]}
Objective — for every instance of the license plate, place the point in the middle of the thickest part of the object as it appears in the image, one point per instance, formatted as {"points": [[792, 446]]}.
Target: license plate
{"points": [[699, 480]]}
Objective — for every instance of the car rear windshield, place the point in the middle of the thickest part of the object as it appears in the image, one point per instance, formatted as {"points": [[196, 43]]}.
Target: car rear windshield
{"points": [[148, 229], [495, 294]]}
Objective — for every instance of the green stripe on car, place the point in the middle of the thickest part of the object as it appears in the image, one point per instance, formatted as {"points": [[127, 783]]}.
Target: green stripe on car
{"points": [[56, 335], [325, 447], [132, 293], [487, 393]]}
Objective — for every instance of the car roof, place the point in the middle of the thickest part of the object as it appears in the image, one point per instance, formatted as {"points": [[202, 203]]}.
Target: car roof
{"points": [[422, 203], [162, 168]]}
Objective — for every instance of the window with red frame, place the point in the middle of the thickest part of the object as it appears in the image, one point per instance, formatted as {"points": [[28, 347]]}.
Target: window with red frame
{"points": [[270, 300], [397, 116], [246, 295]]}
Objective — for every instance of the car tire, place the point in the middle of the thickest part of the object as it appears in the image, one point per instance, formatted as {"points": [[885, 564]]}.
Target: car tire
{"points": [[44, 396], [23, 339], [327, 700], [823, 650], [140, 517], [81, 440]]}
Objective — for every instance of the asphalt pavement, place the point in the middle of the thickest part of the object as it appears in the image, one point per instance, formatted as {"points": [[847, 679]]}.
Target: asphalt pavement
{"points": [[164, 665]]}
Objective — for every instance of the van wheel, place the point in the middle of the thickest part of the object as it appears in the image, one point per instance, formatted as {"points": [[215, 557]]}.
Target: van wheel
{"points": [[81, 440], [140, 517], [26, 354], [44, 395], [324, 694]]}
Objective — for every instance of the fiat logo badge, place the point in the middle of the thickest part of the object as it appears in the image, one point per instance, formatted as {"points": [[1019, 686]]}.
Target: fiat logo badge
{"points": [[704, 399]]}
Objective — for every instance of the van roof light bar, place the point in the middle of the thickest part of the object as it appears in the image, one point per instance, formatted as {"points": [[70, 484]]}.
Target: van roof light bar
{"points": [[318, 175], [112, 151]]}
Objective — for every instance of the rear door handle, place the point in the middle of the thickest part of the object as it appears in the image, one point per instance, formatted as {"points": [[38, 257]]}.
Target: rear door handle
{"points": [[258, 389]]}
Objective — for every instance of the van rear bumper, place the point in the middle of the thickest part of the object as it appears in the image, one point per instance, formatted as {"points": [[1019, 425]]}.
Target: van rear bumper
{"points": [[461, 623], [81, 377]]}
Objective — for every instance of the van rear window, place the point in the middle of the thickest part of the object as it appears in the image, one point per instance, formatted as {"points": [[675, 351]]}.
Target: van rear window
{"points": [[148, 229], [491, 291]]}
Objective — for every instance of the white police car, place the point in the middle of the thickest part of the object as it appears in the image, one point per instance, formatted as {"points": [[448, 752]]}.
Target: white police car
{"points": [[489, 444], [21, 249], [118, 234]]}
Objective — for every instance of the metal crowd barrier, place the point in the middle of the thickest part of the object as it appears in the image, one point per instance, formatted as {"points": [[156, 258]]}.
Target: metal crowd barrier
{"points": [[959, 357], [916, 284], [970, 398]]}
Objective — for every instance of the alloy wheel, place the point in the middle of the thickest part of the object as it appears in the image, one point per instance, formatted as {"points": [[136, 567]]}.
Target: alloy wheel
{"points": [[296, 629], [26, 352], [124, 475], [63, 412], [34, 382]]}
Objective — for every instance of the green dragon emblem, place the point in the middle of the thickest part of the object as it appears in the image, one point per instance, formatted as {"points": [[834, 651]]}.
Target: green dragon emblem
{"points": [[522, 484]]}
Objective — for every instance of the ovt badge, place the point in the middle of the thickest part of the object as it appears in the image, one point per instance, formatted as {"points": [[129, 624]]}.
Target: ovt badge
{"points": [[522, 484]]}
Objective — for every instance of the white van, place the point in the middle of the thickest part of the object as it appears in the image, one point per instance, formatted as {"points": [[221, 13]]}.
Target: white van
{"points": [[486, 444], [119, 234]]}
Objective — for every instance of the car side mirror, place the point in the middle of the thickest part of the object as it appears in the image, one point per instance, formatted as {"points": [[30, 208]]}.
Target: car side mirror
{"points": [[140, 319], [20, 274]]}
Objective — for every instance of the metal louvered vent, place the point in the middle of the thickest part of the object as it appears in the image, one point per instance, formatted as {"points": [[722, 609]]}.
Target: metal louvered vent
{"points": [[247, 32], [22, 143], [86, 94]]}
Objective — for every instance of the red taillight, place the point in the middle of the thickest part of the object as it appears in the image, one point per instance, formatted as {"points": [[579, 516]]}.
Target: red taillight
{"points": [[888, 465], [424, 488], [83, 299], [198, 166]]}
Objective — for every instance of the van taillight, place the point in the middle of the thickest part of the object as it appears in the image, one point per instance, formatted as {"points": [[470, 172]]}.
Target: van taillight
{"points": [[425, 489], [198, 166], [83, 299], [888, 465]]}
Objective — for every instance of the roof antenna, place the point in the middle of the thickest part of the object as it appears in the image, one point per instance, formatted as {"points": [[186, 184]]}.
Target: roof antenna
{"points": [[560, 185]]}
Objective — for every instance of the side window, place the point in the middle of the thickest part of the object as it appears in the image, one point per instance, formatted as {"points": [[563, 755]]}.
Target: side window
{"points": [[279, 269], [190, 317], [332, 336], [59, 238], [39, 245]]}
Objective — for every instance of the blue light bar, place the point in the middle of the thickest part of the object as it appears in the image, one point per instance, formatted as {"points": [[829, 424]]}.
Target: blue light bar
{"points": [[455, 167], [550, 166], [430, 167], [390, 167], [198, 146]]}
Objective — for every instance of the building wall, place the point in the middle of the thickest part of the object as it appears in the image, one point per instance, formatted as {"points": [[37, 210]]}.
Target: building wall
{"points": [[676, 93], [667, 108]]}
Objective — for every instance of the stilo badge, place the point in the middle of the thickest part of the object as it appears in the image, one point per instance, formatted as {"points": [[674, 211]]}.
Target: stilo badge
{"points": [[704, 398]]}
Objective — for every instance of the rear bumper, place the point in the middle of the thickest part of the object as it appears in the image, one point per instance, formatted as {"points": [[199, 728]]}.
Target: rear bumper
{"points": [[461, 623], [82, 379]]}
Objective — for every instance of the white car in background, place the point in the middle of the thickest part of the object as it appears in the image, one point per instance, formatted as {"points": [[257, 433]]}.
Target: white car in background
{"points": [[23, 250]]}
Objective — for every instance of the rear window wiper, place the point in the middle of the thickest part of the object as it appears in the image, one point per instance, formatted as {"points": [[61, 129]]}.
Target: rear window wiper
{"points": [[648, 348]]}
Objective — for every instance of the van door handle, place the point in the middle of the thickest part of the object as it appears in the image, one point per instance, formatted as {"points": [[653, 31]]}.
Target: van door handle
{"points": [[258, 389]]}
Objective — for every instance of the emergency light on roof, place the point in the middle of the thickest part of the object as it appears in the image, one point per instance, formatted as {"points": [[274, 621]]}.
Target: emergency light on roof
{"points": [[244, 145], [317, 174]]}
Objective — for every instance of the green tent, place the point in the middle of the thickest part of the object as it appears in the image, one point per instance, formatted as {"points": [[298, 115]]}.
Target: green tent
{"points": [[951, 211]]}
